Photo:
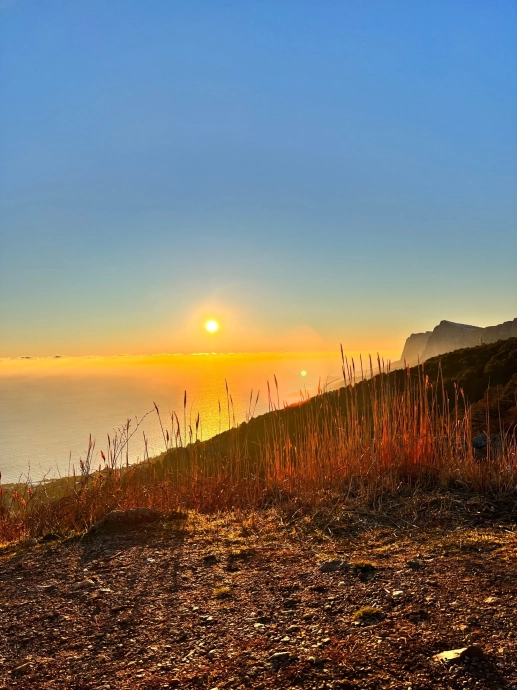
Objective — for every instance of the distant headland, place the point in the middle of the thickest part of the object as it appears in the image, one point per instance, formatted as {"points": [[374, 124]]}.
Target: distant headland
{"points": [[449, 336]]}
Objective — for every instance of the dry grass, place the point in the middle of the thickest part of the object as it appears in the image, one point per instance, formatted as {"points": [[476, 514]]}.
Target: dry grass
{"points": [[365, 445], [222, 592], [362, 566], [367, 614]]}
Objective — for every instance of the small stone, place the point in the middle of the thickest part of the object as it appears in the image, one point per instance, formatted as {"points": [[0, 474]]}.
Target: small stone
{"points": [[32, 541], [279, 657], [21, 670], [397, 593], [263, 619], [456, 655], [211, 654], [47, 587], [415, 564], [333, 566], [364, 570], [133, 517], [83, 584], [317, 660], [417, 616]]}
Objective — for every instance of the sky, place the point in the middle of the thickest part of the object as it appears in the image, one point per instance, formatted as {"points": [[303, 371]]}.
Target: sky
{"points": [[305, 173]]}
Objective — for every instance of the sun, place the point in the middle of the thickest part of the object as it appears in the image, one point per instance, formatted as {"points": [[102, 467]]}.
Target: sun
{"points": [[212, 326]]}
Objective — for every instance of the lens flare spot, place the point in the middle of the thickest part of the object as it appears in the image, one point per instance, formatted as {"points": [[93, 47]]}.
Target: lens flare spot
{"points": [[212, 326], [303, 373]]}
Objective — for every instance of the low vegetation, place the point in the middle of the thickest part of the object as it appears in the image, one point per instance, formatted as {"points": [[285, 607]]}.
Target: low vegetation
{"points": [[222, 592], [396, 434], [367, 614]]}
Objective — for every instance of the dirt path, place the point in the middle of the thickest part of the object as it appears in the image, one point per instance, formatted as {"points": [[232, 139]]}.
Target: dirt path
{"points": [[209, 605]]}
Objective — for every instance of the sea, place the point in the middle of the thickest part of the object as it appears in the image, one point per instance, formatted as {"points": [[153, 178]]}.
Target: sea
{"points": [[50, 407]]}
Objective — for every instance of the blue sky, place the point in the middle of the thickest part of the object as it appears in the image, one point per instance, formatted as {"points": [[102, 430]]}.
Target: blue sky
{"points": [[307, 173]]}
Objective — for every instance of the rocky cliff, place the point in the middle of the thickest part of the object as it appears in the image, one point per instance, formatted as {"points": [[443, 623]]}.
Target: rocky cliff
{"points": [[414, 347], [449, 336]]}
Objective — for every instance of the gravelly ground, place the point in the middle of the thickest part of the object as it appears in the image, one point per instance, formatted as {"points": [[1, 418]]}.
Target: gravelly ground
{"points": [[206, 604]]}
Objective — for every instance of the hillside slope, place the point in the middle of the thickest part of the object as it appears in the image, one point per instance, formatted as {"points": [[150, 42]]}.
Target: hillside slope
{"points": [[484, 377], [383, 436]]}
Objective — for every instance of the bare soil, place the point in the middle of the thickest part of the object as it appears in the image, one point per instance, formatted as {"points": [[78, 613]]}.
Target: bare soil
{"points": [[207, 603]]}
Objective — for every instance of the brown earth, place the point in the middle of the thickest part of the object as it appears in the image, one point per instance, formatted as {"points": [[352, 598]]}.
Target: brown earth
{"points": [[206, 603]]}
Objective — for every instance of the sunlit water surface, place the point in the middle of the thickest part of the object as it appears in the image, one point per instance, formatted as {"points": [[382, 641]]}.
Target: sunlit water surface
{"points": [[49, 406]]}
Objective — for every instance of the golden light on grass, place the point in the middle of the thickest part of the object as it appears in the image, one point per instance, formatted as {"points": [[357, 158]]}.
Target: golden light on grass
{"points": [[372, 440], [212, 326]]}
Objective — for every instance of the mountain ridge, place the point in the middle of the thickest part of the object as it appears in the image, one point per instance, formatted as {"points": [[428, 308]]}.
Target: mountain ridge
{"points": [[449, 336]]}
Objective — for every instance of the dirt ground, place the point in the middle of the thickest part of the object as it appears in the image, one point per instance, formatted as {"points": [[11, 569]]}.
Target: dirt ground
{"points": [[241, 602]]}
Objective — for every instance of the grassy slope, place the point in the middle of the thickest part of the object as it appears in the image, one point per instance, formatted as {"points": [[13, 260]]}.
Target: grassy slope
{"points": [[394, 432], [484, 373]]}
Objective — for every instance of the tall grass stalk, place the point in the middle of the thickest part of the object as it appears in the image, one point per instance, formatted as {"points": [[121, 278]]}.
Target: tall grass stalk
{"points": [[384, 437]]}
